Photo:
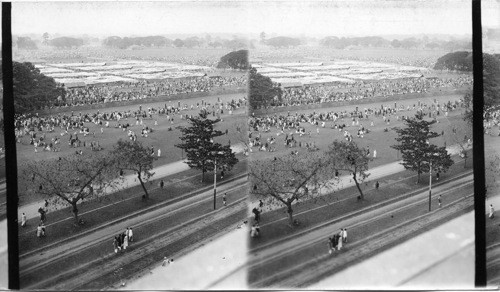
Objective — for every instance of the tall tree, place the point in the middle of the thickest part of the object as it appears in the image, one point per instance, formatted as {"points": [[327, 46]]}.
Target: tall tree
{"points": [[70, 179], [262, 37], [262, 90], [133, 156], [46, 37], [201, 150], [32, 89], [26, 43], [417, 151], [348, 157], [290, 178], [235, 60]]}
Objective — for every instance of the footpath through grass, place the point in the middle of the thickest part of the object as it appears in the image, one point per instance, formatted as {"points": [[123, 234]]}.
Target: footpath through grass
{"points": [[340, 203], [60, 224]]}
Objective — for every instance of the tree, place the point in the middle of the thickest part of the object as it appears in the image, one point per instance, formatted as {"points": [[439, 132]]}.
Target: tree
{"points": [[460, 61], [235, 60], [70, 179], [135, 157], [201, 150], [66, 42], [26, 43], [348, 157], [178, 43], [262, 90], [33, 90], [262, 37], [460, 137], [417, 151], [46, 37], [283, 42], [290, 178], [491, 81]]}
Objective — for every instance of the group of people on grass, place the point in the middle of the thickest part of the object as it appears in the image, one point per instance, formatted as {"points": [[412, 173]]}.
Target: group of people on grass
{"points": [[358, 122], [145, 89], [46, 132], [321, 93]]}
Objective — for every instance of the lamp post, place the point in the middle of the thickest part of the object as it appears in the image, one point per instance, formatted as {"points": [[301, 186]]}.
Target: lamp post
{"points": [[215, 180], [430, 183], [215, 153]]}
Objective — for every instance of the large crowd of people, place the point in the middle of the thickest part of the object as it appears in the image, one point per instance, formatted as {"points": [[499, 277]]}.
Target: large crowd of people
{"points": [[45, 133], [311, 94], [351, 123], [426, 59], [142, 90]]}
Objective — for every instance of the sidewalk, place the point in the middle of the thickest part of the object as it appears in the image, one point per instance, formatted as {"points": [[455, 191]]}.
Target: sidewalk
{"points": [[130, 180], [442, 258], [208, 267]]}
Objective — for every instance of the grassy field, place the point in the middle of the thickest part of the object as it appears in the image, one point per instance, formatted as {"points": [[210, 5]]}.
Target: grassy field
{"points": [[161, 137], [377, 139]]}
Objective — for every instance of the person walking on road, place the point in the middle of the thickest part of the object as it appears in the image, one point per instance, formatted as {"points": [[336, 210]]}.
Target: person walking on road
{"points": [[344, 235], [130, 234], [224, 202], [40, 230], [115, 244], [125, 240], [377, 185], [162, 184], [492, 212], [439, 201], [330, 245], [340, 240], [23, 220]]}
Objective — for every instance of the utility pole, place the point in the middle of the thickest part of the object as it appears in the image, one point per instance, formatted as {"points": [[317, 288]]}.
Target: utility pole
{"points": [[215, 180], [430, 184]]}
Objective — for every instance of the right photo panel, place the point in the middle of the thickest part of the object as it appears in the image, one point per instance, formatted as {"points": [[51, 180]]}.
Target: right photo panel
{"points": [[360, 137], [490, 19]]}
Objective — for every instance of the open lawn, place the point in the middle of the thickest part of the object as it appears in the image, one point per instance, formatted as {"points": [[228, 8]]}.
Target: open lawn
{"points": [[377, 139], [161, 138]]}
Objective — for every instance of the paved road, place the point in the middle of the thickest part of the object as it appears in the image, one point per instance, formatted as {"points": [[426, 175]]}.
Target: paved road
{"points": [[301, 258], [88, 262], [442, 258]]}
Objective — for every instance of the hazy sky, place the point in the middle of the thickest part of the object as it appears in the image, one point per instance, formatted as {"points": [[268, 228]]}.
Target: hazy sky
{"points": [[360, 17]]}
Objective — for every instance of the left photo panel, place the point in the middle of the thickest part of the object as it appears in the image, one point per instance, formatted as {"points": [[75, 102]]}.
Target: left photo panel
{"points": [[130, 128]]}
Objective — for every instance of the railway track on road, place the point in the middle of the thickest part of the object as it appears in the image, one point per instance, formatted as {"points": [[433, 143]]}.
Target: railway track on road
{"points": [[302, 260]]}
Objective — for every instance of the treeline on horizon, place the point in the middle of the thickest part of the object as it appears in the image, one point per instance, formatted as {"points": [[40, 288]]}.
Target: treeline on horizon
{"points": [[235, 42], [116, 42]]}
